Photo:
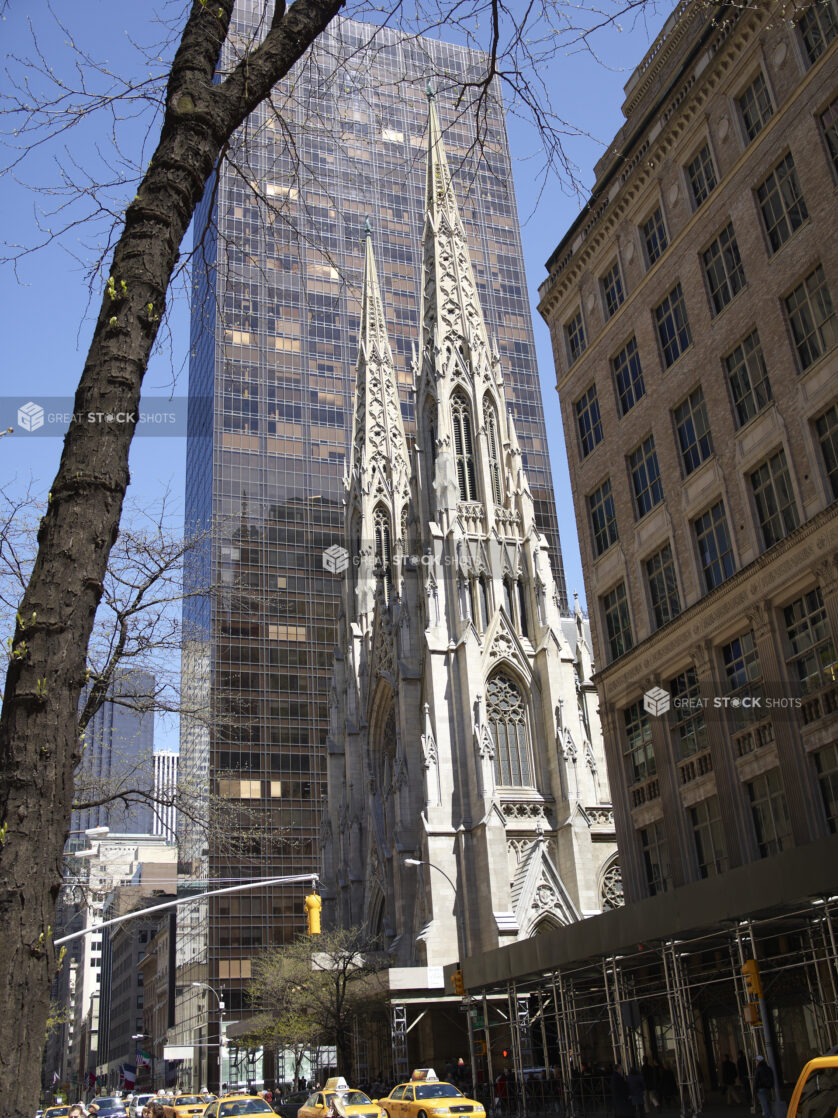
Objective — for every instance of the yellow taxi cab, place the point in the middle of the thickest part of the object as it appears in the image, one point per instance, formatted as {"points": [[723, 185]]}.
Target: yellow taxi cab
{"points": [[183, 1106], [815, 1094], [57, 1111], [230, 1106], [426, 1097], [353, 1103]]}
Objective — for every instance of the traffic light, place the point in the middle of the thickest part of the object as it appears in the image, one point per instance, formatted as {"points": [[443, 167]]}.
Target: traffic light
{"points": [[480, 1047], [457, 982], [313, 904], [505, 1053], [752, 1014], [753, 983]]}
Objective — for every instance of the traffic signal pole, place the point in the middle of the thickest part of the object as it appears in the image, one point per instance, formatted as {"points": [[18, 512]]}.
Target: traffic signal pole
{"points": [[753, 983]]}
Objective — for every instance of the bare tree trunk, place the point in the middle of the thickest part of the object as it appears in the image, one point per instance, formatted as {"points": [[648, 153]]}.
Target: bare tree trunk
{"points": [[38, 744]]}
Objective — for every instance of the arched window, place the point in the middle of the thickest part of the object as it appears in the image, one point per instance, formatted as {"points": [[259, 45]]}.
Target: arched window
{"points": [[463, 447], [490, 421], [430, 432], [507, 718], [479, 603], [508, 601], [383, 549], [522, 608]]}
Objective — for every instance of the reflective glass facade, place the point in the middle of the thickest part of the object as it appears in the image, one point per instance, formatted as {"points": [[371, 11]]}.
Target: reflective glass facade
{"points": [[274, 344]]}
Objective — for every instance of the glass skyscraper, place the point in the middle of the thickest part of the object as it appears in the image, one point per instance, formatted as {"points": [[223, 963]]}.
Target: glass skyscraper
{"points": [[275, 321]]}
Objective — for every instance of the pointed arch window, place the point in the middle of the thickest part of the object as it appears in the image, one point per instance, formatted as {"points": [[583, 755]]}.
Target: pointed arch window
{"points": [[507, 718], [490, 421], [463, 447], [523, 624], [479, 603], [383, 549], [430, 430]]}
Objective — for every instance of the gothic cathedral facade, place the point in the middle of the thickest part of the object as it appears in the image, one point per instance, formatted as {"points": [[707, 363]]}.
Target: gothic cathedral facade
{"points": [[468, 803]]}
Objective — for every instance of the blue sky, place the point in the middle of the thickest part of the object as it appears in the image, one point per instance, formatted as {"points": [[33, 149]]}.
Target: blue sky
{"points": [[44, 303]]}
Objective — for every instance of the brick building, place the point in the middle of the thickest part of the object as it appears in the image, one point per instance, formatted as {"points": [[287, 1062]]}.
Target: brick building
{"points": [[692, 311]]}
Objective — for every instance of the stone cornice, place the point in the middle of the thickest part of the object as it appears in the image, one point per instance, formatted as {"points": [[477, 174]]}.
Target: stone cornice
{"points": [[645, 159]]}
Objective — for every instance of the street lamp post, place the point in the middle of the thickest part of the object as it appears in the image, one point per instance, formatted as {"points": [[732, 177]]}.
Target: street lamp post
{"points": [[461, 951], [206, 986]]}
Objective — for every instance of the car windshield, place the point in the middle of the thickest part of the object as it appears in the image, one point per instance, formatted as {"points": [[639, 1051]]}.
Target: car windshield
{"points": [[352, 1098], [243, 1106], [108, 1104], [188, 1100], [437, 1091], [57, 1111]]}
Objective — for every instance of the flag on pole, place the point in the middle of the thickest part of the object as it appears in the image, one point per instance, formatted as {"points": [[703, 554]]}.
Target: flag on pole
{"points": [[55, 1077], [143, 1060], [128, 1073]]}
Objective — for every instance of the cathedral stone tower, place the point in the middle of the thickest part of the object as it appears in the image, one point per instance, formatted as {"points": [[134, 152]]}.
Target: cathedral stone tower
{"points": [[463, 729]]}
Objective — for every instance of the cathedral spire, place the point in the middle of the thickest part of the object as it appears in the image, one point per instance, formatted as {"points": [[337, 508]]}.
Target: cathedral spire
{"points": [[378, 481], [451, 312]]}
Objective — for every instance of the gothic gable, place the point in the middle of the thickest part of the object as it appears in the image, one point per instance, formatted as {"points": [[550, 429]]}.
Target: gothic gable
{"points": [[502, 644], [538, 891]]}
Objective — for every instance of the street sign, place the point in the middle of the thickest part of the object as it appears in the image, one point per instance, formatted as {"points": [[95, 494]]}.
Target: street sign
{"points": [[477, 1019]]}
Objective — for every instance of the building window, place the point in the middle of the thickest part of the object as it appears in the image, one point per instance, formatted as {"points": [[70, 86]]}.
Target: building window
{"points": [[743, 676], [781, 203], [663, 586], [603, 517], [506, 716], [575, 334], [826, 766], [826, 427], [812, 661], [829, 123], [673, 326], [645, 477], [723, 270], [770, 813], [490, 422], [628, 377], [687, 725], [741, 663], [588, 421], [747, 375], [463, 448], [612, 289], [702, 176], [383, 549], [715, 551], [656, 858], [755, 107], [639, 752], [479, 603], [693, 427], [617, 621], [654, 236], [774, 499], [708, 836], [812, 318], [818, 27]]}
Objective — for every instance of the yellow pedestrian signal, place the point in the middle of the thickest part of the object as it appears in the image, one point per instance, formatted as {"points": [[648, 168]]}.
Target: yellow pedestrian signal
{"points": [[313, 905], [752, 1014], [480, 1047], [457, 982], [753, 982]]}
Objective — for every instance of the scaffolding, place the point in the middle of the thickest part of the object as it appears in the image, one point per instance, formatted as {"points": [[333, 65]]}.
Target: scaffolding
{"points": [[680, 1003]]}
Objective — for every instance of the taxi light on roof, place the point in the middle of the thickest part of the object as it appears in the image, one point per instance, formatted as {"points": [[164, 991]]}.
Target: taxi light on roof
{"points": [[426, 1074], [338, 1083]]}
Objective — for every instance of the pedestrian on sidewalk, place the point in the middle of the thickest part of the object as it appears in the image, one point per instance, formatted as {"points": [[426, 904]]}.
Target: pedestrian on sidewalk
{"points": [[729, 1074], [636, 1088], [763, 1085], [620, 1097], [669, 1084], [651, 1086]]}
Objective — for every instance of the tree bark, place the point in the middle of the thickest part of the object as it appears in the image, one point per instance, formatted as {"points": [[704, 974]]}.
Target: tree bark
{"points": [[38, 744]]}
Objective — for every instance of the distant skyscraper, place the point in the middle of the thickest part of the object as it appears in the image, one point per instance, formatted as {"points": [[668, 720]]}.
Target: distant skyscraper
{"points": [[117, 757], [274, 337], [165, 788]]}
